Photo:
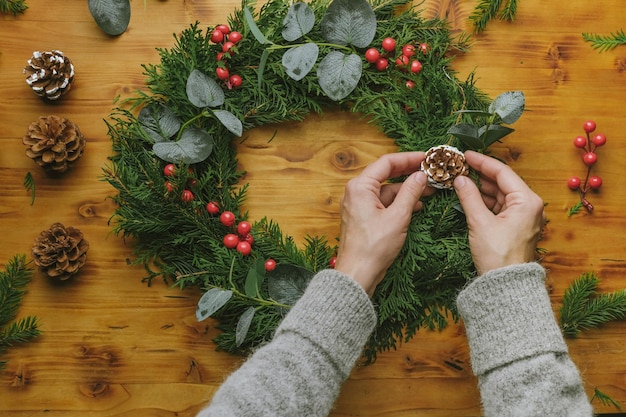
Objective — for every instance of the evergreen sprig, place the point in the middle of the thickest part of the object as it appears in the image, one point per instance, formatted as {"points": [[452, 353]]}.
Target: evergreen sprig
{"points": [[181, 242], [13, 281], [488, 10], [583, 308], [604, 43], [13, 7]]}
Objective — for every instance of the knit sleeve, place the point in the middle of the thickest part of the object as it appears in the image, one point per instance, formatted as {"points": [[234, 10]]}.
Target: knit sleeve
{"points": [[300, 372], [516, 347]]}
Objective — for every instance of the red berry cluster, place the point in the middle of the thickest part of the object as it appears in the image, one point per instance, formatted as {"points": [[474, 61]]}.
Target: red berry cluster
{"points": [[170, 170], [405, 61], [588, 144], [228, 39]]}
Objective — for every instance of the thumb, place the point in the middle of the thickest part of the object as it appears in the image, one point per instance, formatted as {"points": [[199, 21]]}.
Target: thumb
{"points": [[410, 192], [471, 200]]}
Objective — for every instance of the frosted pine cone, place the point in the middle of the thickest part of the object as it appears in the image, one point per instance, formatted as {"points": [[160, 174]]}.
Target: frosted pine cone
{"points": [[49, 74], [443, 164], [60, 251], [54, 143]]}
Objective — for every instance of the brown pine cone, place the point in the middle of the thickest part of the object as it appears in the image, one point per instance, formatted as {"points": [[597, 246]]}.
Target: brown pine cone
{"points": [[60, 251], [54, 143], [443, 164], [49, 74]]}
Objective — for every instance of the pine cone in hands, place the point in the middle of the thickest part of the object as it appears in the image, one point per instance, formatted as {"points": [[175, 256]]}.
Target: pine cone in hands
{"points": [[54, 143], [49, 74], [442, 164], [60, 251]]}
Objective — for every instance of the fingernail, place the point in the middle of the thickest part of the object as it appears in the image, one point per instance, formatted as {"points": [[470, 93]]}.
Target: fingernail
{"points": [[460, 181], [420, 177]]}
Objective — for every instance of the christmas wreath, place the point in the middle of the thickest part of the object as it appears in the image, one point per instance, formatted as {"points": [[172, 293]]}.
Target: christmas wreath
{"points": [[179, 190]]}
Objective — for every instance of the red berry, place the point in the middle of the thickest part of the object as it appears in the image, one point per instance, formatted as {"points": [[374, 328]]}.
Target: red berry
{"points": [[235, 81], [424, 48], [231, 241], [573, 183], [217, 36], [213, 208], [270, 265], [243, 228], [599, 139], [227, 46], [389, 44], [186, 196], [595, 182], [589, 126], [416, 66], [409, 84], [169, 170], [169, 186], [235, 37], [249, 238], [580, 142], [590, 158], [408, 50], [227, 218], [192, 182], [332, 262], [382, 64], [402, 61], [223, 28], [222, 73], [244, 248], [219, 56], [372, 55]]}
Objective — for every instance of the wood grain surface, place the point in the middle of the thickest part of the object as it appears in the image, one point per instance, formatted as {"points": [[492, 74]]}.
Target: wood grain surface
{"points": [[114, 347]]}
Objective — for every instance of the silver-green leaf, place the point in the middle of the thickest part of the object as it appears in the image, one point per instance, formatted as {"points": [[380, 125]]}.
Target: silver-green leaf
{"points": [[349, 22], [339, 74], [287, 283], [112, 16], [211, 301], [299, 60], [230, 121], [298, 22], [509, 106], [159, 122], [195, 145], [256, 32], [203, 91], [243, 325]]}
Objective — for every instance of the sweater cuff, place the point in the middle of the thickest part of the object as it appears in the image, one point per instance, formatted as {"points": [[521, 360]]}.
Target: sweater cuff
{"points": [[508, 317], [336, 314]]}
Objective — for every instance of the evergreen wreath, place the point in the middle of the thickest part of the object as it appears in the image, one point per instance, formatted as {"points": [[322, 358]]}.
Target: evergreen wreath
{"points": [[175, 167]]}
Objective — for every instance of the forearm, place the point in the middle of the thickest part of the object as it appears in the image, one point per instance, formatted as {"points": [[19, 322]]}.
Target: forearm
{"points": [[314, 350], [517, 349]]}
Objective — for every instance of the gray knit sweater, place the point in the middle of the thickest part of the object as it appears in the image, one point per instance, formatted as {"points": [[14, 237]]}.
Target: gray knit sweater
{"points": [[517, 351]]}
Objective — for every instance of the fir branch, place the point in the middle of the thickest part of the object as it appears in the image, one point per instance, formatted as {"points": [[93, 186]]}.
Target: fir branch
{"points": [[487, 10], [583, 308], [575, 209], [605, 399], [603, 43], [14, 7], [29, 183]]}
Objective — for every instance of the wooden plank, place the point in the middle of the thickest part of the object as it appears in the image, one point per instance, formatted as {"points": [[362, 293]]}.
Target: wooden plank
{"points": [[113, 346]]}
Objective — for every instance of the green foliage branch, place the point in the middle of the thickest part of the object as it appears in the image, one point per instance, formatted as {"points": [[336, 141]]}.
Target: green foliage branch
{"points": [[181, 242], [603, 43], [13, 7]]}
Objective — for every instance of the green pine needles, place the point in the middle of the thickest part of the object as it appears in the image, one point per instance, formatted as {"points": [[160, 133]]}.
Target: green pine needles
{"points": [[603, 43], [180, 240], [487, 10], [13, 281], [583, 308], [13, 7]]}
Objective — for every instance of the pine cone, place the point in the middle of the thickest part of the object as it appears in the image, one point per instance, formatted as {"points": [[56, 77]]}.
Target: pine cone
{"points": [[443, 164], [49, 74], [54, 143], [60, 251]]}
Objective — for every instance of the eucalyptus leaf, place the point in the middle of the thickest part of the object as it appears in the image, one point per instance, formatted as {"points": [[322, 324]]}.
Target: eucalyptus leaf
{"points": [[211, 301], [230, 121], [112, 16], [298, 22], [494, 134], [243, 325], [256, 32], [339, 74], [349, 22], [287, 283], [255, 278], [203, 91], [509, 106], [159, 122], [195, 145], [468, 134], [299, 60], [261, 69]]}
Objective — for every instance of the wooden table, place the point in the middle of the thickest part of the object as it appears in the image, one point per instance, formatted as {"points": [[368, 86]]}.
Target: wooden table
{"points": [[114, 347]]}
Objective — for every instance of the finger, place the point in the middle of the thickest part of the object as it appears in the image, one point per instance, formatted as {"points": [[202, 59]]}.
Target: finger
{"points": [[472, 201], [506, 179], [393, 165], [409, 194], [389, 191]]}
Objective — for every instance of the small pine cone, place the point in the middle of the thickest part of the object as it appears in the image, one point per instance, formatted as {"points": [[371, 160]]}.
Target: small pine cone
{"points": [[49, 74], [60, 251], [54, 143], [443, 164]]}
